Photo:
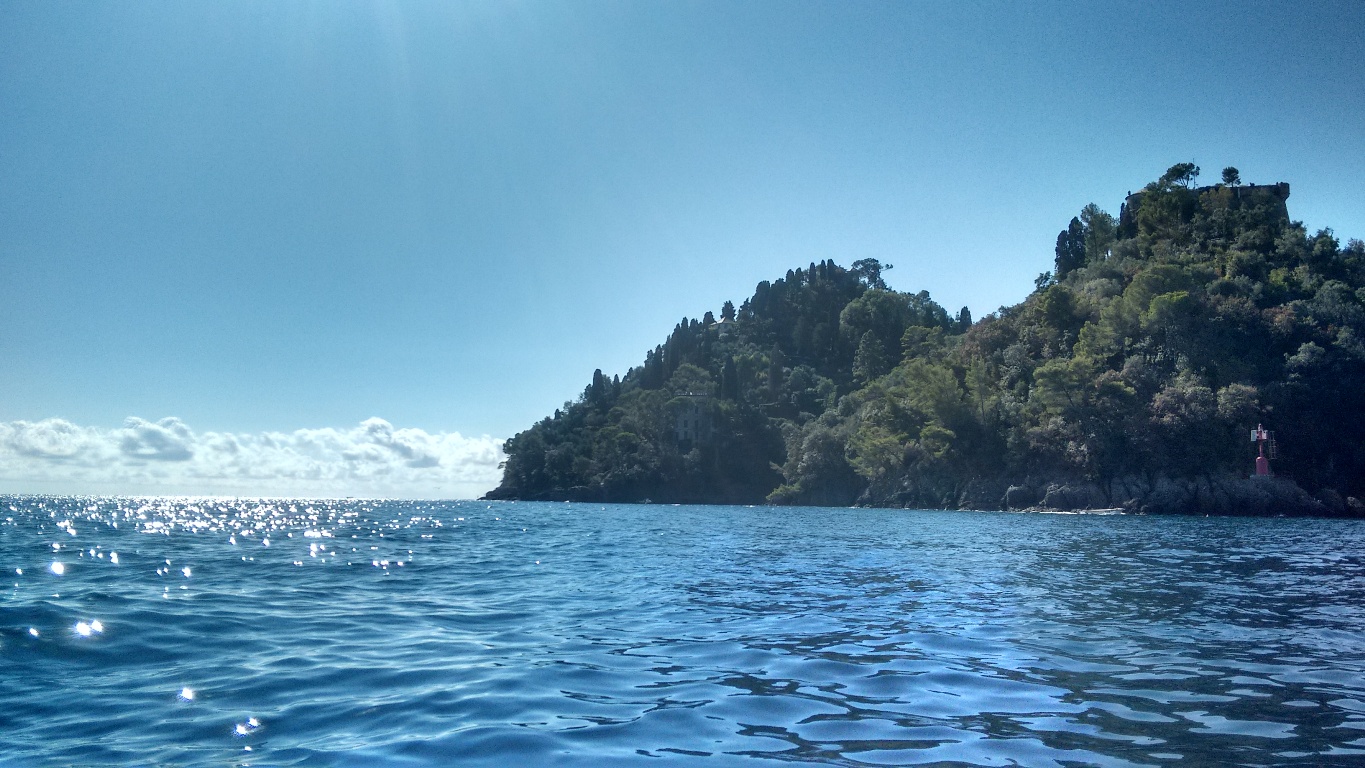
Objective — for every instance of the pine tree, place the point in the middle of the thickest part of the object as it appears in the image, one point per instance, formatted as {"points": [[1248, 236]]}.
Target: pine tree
{"points": [[871, 360], [1070, 248]]}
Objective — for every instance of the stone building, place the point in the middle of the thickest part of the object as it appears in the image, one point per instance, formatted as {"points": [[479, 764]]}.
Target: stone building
{"points": [[692, 426]]}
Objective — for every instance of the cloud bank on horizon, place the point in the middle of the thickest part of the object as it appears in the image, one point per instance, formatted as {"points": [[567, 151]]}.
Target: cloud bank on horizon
{"points": [[168, 457]]}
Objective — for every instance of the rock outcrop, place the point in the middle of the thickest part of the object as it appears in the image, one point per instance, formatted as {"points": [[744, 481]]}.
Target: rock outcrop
{"points": [[1251, 496]]}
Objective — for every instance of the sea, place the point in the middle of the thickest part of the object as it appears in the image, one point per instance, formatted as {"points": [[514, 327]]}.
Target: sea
{"points": [[259, 632]]}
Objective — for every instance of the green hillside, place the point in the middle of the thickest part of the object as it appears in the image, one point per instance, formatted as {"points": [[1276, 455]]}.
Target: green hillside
{"points": [[1131, 377]]}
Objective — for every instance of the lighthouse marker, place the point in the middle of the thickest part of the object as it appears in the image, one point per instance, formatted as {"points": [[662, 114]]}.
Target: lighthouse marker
{"points": [[1263, 438]]}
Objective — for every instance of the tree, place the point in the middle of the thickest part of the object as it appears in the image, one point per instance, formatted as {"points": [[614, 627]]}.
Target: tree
{"points": [[729, 380], [964, 320], [1231, 177], [809, 392], [919, 341], [1168, 204], [817, 471], [1070, 248], [870, 272], [1058, 305], [776, 360], [599, 391], [691, 379], [1183, 174], [1100, 230], [871, 360], [727, 311], [883, 313]]}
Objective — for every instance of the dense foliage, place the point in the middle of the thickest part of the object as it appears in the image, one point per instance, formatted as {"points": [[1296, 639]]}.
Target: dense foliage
{"points": [[1161, 338]]}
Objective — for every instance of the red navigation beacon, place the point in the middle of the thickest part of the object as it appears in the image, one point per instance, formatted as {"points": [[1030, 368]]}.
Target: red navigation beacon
{"points": [[1265, 450]]}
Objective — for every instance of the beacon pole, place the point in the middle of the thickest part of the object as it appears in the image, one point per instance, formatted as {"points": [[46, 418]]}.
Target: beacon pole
{"points": [[1262, 438]]}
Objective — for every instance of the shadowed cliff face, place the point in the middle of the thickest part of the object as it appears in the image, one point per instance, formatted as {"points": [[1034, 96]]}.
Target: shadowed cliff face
{"points": [[1128, 378]]}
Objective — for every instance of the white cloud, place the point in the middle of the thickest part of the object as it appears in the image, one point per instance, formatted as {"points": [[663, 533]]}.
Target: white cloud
{"points": [[167, 457], [48, 439], [166, 440]]}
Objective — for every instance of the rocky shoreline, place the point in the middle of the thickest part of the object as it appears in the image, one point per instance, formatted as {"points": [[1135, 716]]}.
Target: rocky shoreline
{"points": [[1214, 496], [1221, 496]]}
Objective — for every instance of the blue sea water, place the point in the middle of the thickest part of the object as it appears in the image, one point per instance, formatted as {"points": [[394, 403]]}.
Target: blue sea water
{"points": [[347, 633]]}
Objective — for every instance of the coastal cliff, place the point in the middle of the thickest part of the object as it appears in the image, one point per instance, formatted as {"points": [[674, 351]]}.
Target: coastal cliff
{"points": [[1128, 379]]}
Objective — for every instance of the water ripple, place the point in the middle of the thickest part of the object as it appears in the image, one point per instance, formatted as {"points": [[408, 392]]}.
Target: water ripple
{"points": [[329, 632]]}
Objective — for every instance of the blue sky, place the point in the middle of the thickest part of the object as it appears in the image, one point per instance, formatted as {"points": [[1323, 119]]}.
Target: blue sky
{"points": [[252, 219]]}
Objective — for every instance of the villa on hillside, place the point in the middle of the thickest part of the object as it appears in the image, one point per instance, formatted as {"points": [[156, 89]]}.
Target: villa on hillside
{"points": [[693, 423]]}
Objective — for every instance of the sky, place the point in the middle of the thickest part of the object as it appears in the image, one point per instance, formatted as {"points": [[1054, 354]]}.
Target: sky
{"points": [[330, 249]]}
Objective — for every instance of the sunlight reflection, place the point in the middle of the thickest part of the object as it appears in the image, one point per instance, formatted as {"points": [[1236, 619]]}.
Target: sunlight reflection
{"points": [[88, 628]]}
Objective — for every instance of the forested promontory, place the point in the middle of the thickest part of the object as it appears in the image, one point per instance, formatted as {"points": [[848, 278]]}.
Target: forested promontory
{"points": [[1130, 378]]}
